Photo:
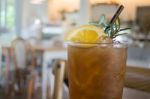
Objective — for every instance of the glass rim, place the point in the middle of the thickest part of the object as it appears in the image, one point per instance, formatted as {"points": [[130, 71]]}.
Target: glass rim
{"points": [[114, 44]]}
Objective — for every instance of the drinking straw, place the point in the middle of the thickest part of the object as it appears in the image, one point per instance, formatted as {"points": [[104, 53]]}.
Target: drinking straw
{"points": [[116, 15]]}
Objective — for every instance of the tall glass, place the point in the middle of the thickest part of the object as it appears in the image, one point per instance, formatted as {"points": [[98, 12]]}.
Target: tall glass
{"points": [[96, 71]]}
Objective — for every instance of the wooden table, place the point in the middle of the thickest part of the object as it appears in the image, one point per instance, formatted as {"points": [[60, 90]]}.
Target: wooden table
{"points": [[138, 78], [129, 93], [49, 49]]}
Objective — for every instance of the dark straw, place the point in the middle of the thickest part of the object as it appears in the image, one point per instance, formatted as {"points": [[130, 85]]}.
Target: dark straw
{"points": [[116, 15]]}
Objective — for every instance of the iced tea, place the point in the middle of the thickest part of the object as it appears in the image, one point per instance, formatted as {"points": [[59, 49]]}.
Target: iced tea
{"points": [[96, 71]]}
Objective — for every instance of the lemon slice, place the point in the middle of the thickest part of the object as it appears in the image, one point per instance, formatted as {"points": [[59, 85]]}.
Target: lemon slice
{"points": [[86, 34]]}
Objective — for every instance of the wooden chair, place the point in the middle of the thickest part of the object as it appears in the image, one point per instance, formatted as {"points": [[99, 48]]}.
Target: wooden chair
{"points": [[59, 71], [22, 73]]}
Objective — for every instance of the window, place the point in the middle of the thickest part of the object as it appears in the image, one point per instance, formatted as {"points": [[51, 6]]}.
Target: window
{"points": [[7, 15]]}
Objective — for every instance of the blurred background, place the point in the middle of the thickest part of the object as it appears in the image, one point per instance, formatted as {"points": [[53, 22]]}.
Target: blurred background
{"points": [[32, 42]]}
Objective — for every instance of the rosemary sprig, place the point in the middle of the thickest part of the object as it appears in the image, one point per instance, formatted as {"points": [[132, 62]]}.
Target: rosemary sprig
{"points": [[115, 29], [125, 29], [112, 29]]}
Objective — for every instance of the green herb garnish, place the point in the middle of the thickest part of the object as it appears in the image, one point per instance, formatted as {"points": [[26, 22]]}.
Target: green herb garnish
{"points": [[112, 28]]}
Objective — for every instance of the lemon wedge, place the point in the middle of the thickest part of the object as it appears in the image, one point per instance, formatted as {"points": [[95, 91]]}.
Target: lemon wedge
{"points": [[86, 34]]}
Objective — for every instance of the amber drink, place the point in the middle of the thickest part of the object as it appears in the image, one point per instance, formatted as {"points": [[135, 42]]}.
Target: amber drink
{"points": [[96, 71]]}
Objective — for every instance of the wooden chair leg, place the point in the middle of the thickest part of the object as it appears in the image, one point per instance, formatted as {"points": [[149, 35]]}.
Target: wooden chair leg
{"points": [[59, 78], [30, 89]]}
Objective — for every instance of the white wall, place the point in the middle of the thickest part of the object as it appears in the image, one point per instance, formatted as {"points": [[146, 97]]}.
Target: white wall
{"points": [[129, 12], [32, 12], [51, 9], [85, 11], [55, 6], [130, 7]]}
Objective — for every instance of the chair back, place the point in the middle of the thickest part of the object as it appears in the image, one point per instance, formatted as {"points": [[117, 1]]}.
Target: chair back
{"points": [[59, 70], [19, 50]]}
